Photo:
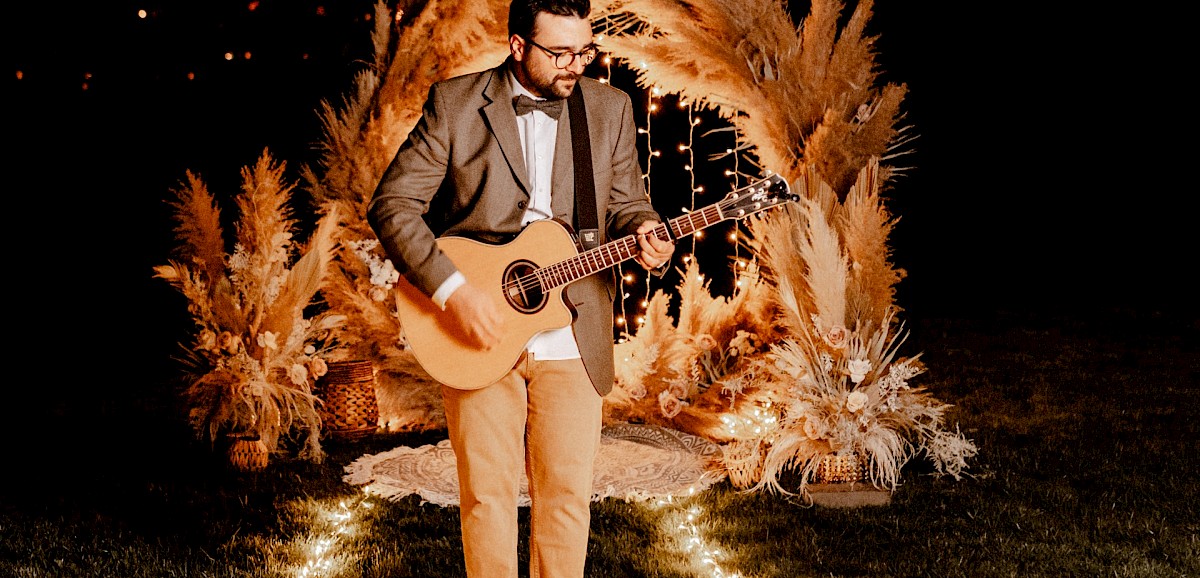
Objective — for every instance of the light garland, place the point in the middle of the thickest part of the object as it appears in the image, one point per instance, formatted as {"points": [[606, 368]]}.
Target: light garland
{"points": [[689, 167], [683, 528], [760, 422], [322, 557]]}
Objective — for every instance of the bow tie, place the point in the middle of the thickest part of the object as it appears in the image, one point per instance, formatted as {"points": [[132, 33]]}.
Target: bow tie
{"points": [[523, 104]]}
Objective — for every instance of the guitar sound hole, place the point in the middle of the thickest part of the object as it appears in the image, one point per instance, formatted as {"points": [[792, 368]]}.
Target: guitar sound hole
{"points": [[522, 289]]}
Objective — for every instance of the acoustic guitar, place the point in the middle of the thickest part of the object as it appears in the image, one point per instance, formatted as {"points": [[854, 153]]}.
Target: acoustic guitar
{"points": [[527, 277]]}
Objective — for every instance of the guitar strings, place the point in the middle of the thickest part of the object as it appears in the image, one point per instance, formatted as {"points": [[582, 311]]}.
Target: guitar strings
{"points": [[544, 278]]}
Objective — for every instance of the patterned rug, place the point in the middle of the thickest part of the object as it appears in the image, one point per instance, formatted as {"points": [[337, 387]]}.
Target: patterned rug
{"points": [[635, 462]]}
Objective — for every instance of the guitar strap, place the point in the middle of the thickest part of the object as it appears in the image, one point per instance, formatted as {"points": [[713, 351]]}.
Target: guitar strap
{"points": [[586, 221]]}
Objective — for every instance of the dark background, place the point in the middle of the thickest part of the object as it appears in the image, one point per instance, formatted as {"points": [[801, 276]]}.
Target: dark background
{"points": [[1045, 175]]}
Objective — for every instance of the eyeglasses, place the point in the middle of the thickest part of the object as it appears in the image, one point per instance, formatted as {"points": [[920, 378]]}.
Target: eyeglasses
{"points": [[565, 59]]}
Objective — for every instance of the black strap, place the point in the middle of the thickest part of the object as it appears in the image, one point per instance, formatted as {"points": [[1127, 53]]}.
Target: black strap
{"points": [[585, 180]]}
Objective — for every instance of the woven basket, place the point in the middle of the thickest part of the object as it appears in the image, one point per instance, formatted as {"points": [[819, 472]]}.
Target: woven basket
{"points": [[248, 453], [835, 469], [350, 409]]}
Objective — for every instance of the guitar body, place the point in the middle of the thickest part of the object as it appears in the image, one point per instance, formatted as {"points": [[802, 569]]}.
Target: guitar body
{"points": [[442, 350], [527, 276]]}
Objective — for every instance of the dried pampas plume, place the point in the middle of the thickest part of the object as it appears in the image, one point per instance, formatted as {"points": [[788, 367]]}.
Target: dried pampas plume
{"points": [[801, 96]]}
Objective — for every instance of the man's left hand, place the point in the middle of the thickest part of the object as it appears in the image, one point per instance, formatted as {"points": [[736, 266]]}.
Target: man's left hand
{"points": [[655, 252]]}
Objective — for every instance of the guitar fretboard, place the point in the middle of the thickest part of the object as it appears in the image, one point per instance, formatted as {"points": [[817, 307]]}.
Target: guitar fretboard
{"points": [[765, 193], [623, 249]]}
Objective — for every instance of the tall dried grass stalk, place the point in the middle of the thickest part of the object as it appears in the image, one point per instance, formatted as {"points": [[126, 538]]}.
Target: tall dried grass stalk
{"points": [[865, 225]]}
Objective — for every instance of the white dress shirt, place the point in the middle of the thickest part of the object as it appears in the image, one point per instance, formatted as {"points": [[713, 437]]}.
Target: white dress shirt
{"points": [[538, 132]]}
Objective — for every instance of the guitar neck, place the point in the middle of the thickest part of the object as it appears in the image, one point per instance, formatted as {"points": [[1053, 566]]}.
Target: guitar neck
{"points": [[623, 249], [768, 192]]}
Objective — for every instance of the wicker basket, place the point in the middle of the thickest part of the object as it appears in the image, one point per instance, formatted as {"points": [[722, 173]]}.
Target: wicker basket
{"points": [[247, 453], [350, 409], [835, 469]]}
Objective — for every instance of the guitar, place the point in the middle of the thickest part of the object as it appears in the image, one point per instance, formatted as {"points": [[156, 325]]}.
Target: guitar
{"points": [[528, 276]]}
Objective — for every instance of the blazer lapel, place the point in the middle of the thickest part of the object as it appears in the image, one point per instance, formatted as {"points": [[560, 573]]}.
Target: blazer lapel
{"points": [[503, 123]]}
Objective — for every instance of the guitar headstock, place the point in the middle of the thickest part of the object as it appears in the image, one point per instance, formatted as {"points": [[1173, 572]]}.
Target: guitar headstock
{"points": [[767, 192]]}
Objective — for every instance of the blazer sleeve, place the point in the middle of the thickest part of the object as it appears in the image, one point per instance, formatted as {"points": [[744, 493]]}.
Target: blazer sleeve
{"points": [[403, 197]]}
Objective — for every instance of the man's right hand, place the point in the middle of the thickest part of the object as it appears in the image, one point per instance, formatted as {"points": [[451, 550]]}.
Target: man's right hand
{"points": [[475, 315]]}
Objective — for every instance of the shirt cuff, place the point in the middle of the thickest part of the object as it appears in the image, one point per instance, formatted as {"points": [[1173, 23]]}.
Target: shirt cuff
{"points": [[452, 283]]}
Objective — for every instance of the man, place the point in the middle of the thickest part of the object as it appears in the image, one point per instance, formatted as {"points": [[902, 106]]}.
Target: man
{"points": [[475, 167]]}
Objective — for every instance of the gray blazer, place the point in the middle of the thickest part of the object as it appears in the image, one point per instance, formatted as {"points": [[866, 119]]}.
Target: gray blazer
{"points": [[461, 172]]}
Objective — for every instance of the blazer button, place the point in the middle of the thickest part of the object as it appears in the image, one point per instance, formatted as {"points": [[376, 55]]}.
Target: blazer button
{"points": [[521, 205]]}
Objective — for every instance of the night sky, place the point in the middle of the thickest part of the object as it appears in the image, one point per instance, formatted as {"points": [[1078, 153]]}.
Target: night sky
{"points": [[1037, 180]]}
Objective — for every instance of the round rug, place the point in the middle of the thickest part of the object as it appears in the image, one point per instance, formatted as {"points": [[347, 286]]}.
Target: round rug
{"points": [[635, 462]]}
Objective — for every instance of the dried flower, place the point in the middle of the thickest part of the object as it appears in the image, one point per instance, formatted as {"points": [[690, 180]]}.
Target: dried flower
{"points": [[785, 365], [706, 342], [298, 374], [383, 273], [236, 345], [856, 401], [837, 336], [743, 343], [206, 340], [637, 390], [678, 388], [256, 294], [858, 368], [318, 367], [669, 404], [813, 428], [266, 340]]}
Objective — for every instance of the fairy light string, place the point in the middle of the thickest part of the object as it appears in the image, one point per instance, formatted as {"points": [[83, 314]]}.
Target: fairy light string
{"points": [[689, 166], [681, 525], [323, 551], [606, 78]]}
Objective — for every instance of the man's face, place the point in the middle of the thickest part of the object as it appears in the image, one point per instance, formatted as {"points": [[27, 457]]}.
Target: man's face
{"points": [[536, 68]]}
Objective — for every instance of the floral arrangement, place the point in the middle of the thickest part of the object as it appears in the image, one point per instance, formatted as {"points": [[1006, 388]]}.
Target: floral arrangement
{"points": [[255, 354], [680, 373], [845, 386], [807, 364], [848, 394]]}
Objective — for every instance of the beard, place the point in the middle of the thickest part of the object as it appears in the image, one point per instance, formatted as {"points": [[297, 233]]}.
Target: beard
{"points": [[556, 84], [563, 85]]}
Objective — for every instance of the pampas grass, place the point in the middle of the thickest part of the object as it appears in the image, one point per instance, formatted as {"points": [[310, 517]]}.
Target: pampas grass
{"points": [[415, 45], [254, 356], [864, 224], [802, 96]]}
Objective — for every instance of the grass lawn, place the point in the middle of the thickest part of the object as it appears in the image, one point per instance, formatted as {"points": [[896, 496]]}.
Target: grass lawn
{"points": [[1088, 428]]}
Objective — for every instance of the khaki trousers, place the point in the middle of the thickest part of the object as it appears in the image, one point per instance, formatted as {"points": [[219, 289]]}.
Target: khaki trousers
{"points": [[543, 417]]}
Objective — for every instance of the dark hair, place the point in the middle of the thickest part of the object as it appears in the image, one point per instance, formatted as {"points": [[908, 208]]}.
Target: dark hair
{"points": [[522, 13]]}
